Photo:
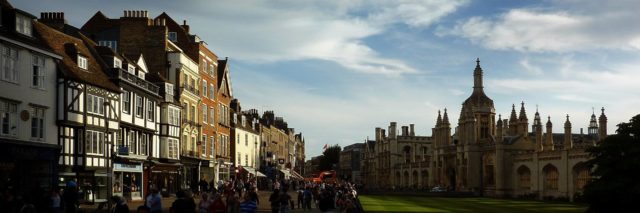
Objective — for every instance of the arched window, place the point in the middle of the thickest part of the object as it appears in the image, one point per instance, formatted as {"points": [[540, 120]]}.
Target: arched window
{"points": [[524, 178], [406, 179], [407, 154], [489, 177], [551, 176], [425, 178], [581, 176]]}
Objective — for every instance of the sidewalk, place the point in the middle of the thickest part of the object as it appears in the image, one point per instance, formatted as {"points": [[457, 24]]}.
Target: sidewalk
{"points": [[263, 196]]}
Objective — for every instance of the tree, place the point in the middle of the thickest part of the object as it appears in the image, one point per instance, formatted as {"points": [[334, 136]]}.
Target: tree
{"points": [[616, 163], [329, 158]]}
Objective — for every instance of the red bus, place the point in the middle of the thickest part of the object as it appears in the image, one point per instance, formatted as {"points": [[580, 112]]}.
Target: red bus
{"points": [[329, 176]]}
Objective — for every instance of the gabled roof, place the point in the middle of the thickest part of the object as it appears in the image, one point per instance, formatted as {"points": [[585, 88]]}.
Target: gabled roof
{"points": [[99, 22], [8, 28], [69, 47], [223, 76]]}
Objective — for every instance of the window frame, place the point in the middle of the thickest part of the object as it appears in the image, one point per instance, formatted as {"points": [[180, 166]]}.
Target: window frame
{"points": [[83, 62], [151, 109], [95, 104], [38, 116], [10, 58], [139, 104], [126, 102], [38, 74], [91, 144], [8, 117]]}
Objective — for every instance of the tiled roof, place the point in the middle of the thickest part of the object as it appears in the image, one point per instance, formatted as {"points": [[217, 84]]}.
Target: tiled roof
{"points": [[68, 46]]}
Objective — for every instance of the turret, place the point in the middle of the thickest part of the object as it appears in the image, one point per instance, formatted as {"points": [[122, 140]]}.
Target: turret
{"points": [[567, 133], [548, 143], [392, 130], [593, 125], [445, 118], [499, 128], [537, 129], [602, 129], [523, 121], [439, 120], [513, 121]]}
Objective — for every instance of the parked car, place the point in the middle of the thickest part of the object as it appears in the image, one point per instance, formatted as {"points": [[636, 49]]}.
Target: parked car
{"points": [[438, 189]]}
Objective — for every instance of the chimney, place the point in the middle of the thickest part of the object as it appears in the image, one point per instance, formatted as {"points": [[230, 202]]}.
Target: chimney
{"points": [[53, 19], [392, 130], [411, 130], [185, 26], [405, 131]]}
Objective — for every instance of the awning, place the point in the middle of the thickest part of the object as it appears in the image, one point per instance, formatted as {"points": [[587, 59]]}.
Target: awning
{"points": [[296, 175], [286, 173], [252, 171]]}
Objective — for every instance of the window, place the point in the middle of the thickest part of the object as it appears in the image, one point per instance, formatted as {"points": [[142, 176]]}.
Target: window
{"points": [[38, 72], [193, 113], [23, 24], [117, 63], [174, 116], [204, 88], [213, 145], [238, 138], [37, 123], [204, 113], [126, 101], [203, 66], [95, 104], [8, 116], [94, 142], [211, 116], [111, 44], [173, 36], [139, 106], [151, 107], [212, 70], [131, 69], [239, 159], [9, 60], [246, 139], [172, 148], [211, 92], [169, 89], [144, 143], [246, 160], [204, 145], [82, 62]]}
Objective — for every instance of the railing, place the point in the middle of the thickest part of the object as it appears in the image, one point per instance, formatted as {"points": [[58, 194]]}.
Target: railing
{"points": [[133, 79], [191, 89]]}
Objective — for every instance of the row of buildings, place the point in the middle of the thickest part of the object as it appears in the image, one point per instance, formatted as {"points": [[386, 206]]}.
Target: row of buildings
{"points": [[122, 105], [484, 154]]}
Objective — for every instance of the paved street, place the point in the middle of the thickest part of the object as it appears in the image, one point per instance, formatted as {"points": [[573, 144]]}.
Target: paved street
{"points": [[264, 205]]}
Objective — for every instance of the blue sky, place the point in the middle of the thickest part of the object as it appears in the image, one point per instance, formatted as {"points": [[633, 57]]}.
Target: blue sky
{"points": [[335, 70]]}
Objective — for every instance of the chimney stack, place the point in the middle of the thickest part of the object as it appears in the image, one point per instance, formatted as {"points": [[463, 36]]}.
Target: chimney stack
{"points": [[53, 19]]}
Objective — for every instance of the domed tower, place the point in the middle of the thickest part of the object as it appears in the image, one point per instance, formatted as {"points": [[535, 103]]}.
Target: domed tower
{"points": [[593, 125], [481, 108]]}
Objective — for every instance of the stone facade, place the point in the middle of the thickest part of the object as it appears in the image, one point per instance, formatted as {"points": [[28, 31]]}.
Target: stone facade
{"points": [[489, 156]]}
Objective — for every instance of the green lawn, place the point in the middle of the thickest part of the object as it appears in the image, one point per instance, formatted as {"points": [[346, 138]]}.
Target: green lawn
{"points": [[382, 203]]}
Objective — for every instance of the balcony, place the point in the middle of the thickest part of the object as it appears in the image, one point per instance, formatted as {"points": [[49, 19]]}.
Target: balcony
{"points": [[193, 90], [135, 80]]}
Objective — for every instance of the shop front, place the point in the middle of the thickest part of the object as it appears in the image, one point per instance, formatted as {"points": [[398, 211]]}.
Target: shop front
{"points": [[166, 177], [128, 180], [27, 168]]}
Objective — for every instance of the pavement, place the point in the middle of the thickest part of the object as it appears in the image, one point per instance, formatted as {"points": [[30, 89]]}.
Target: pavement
{"points": [[263, 196]]}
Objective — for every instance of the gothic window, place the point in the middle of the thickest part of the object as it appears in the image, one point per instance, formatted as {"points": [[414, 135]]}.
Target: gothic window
{"points": [[524, 178], [489, 177], [550, 177], [582, 176]]}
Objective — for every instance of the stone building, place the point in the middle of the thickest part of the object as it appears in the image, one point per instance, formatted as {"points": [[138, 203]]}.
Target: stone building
{"points": [[490, 156], [350, 162]]}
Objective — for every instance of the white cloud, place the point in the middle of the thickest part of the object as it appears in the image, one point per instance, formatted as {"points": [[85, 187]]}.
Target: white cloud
{"points": [[561, 27], [266, 31]]}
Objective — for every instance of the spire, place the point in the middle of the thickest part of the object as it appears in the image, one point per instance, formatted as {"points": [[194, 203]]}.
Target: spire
{"points": [[549, 121], [602, 118], [523, 114], [500, 120], [445, 118], [439, 121], [513, 117], [477, 77], [536, 119], [567, 124]]}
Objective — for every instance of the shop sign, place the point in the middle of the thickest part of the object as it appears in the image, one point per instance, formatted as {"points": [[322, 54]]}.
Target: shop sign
{"points": [[127, 167]]}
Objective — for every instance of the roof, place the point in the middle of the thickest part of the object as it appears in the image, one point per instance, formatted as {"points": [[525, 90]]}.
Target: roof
{"points": [[7, 28], [99, 22], [68, 46]]}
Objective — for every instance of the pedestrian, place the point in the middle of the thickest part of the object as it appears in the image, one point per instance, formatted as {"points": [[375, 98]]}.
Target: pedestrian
{"points": [[285, 199], [70, 197], [204, 204], [120, 205], [233, 203], [274, 199], [307, 196], [300, 198], [203, 185], [154, 202], [56, 200], [183, 204], [249, 204], [143, 209], [217, 205]]}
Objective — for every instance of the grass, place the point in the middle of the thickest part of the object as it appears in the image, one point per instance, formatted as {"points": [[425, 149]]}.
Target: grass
{"points": [[382, 203]]}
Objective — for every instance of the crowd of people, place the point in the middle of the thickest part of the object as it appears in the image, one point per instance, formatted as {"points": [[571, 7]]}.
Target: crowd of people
{"points": [[340, 197]]}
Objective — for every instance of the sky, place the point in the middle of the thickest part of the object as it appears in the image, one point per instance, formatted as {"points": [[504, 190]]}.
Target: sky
{"points": [[336, 69]]}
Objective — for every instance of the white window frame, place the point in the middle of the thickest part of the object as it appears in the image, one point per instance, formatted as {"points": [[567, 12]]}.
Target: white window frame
{"points": [[131, 69], [204, 145], [8, 119], [37, 123], [212, 92], [172, 36], [151, 109], [205, 113], [144, 143], [95, 104], [204, 88], [82, 62], [10, 58], [126, 101], [37, 80], [139, 105], [212, 117], [117, 63], [23, 24], [94, 145], [172, 148], [213, 146]]}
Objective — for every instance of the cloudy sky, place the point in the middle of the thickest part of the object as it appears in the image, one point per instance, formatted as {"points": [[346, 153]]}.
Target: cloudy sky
{"points": [[335, 70]]}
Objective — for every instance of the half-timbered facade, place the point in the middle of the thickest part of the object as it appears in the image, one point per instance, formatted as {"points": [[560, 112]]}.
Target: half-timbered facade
{"points": [[88, 109], [137, 139], [28, 131]]}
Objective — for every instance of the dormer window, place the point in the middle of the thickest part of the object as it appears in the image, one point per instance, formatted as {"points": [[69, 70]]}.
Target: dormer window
{"points": [[82, 62], [173, 36], [23, 24], [117, 63], [131, 69]]}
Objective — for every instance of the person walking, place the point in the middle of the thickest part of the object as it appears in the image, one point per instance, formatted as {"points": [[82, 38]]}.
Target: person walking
{"points": [[154, 202], [274, 199], [56, 201], [120, 205], [285, 199], [70, 197], [307, 196], [250, 203], [204, 204]]}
